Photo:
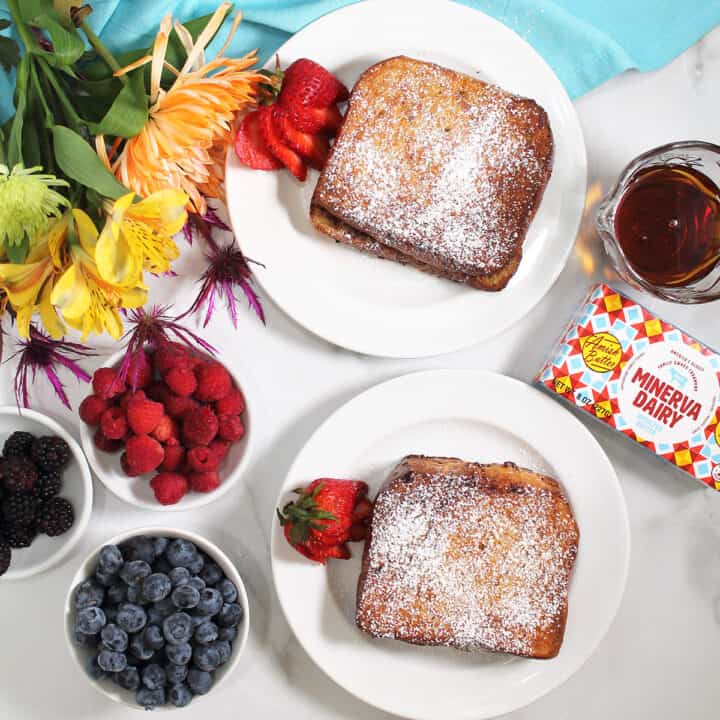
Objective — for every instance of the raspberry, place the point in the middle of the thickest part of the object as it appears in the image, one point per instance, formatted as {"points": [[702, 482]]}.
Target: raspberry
{"points": [[204, 481], [113, 424], [213, 382], [157, 391], [200, 459], [199, 426], [220, 448], [106, 384], [143, 454], [174, 458], [92, 408], [130, 395], [170, 355], [126, 467], [169, 487], [165, 429], [104, 443], [140, 371], [143, 415], [181, 381], [232, 404], [230, 428], [176, 406]]}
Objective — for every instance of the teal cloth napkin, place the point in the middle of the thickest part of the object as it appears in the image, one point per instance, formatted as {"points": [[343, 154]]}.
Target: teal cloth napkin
{"points": [[585, 41]]}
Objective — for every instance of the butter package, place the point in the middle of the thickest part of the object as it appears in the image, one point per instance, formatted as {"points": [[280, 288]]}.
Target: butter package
{"points": [[643, 377]]}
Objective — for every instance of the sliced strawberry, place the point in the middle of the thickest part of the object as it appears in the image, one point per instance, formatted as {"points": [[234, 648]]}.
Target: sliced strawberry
{"points": [[250, 147], [288, 157], [315, 120], [308, 84], [313, 148]]}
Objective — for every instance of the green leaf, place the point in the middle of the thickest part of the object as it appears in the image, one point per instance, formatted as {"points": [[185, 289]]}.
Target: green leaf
{"points": [[78, 161], [67, 45], [128, 113], [18, 253], [15, 149], [9, 53], [30, 9]]}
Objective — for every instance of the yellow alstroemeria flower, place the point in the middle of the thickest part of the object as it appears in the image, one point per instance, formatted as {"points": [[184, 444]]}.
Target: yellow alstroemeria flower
{"points": [[139, 236], [29, 285], [86, 301]]}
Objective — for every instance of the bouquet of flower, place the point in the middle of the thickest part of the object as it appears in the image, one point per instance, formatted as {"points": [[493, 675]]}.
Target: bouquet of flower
{"points": [[105, 160]]}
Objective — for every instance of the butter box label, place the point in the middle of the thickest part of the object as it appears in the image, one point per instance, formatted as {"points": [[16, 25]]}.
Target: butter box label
{"points": [[643, 377]]}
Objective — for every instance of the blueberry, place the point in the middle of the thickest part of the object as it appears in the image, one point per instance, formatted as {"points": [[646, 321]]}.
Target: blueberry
{"points": [[85, 640], [197, 582], [110, 613], [206, 633], [105, 579], [134, 594], [134, 572], [197, 564], [179, 654], [178, 628], [224, 650], [175, 673], [211, 573], [131, 618], [93, 669], [179, 576], [110, 559], [114, 638], [230, 615], [89, 593], [156, 587], [140, 547], [180, 695], [159, 545], [129, 678], [228, 634], [181, 553], [227, 590], [185, 596], [211, 602], [90, 620], [150, 698], [111, 661], [165, 607], [199, 681], [117, 593], [152, 637], [206, 658], [153, 677], [161, 565], [138, 648]]}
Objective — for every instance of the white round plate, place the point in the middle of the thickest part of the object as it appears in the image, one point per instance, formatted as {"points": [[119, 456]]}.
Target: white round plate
{"points": [[475, 416], [45, 552], [381, 308]]}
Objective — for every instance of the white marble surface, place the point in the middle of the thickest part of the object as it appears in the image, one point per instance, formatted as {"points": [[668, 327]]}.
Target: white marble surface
{"points": [[661, 656]]}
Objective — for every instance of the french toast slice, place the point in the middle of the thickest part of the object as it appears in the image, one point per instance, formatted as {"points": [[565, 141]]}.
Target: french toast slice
{"points": [[469, 556], [436, 169]]}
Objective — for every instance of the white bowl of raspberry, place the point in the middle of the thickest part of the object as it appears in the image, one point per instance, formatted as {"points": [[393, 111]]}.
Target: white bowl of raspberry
{"points": [[46, 498], [140, 635], [180, 442]]}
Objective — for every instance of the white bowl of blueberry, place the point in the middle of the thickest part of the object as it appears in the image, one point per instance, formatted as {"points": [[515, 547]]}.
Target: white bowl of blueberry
{"points": [[156, 617]]}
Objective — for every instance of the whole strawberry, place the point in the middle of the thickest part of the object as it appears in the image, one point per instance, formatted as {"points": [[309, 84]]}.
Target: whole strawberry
{"points": [[318, 522]]}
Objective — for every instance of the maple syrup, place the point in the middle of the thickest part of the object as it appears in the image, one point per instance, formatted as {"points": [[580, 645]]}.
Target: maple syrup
{"points": [[667, 223]]}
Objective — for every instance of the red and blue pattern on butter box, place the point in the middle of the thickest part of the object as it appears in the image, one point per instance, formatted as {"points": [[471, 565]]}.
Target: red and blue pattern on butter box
{"points": [[643, 377]]}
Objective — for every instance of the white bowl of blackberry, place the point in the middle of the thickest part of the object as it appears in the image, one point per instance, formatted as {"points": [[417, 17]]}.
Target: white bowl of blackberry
{"points": [[156, 618], [45, 493]]}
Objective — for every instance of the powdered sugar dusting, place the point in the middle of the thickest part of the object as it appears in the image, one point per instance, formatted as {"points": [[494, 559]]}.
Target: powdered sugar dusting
{"points": [[452, 563], [441, 167]]}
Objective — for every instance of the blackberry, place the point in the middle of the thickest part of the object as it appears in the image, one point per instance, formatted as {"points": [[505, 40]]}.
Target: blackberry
{"points": [[50, 453], [19, 536], [18, 444], [48, 485], [19, 509], [54, 516], [19, 474], [4, 557]]}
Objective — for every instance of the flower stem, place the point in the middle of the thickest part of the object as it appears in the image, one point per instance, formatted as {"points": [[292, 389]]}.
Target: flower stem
{"points": [[101, 49], [75, 120], [24, 33]]}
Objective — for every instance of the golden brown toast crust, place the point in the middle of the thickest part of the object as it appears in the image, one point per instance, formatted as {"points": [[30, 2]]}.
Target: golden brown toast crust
{"points": [[470, 556], [438, 167]]}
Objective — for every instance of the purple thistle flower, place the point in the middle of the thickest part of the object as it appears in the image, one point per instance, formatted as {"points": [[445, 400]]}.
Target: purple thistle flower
{"points": [[150, 330], [41, 353], [227, 269]]}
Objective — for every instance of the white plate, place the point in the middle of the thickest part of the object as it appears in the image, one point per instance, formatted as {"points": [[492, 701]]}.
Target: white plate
{"points": [[475, 416], [77, 489], [381, 308]]}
